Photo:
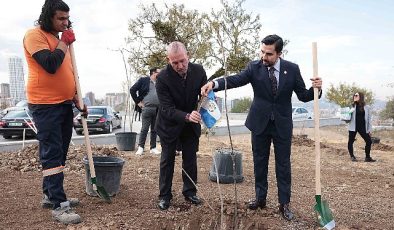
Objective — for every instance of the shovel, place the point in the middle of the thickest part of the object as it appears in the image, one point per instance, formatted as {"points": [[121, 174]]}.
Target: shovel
{"points": [[323, 212], [97, 188]]}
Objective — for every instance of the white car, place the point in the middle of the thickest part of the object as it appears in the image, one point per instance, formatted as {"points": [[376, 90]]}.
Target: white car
{"points": [[22, 105], [300, 113]]}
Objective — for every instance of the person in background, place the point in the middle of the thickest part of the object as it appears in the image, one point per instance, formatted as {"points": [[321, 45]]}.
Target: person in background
{"points": [[144, 95], [178, 88], [273, 80], [360, 123], [51, 92]]}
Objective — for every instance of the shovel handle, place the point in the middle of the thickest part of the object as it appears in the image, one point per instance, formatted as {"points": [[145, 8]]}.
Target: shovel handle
{"points": [[316, 112], [84, 124]]}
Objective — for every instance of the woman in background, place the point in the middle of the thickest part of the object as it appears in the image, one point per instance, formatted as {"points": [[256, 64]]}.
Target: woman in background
{"points": [[360, 123]]}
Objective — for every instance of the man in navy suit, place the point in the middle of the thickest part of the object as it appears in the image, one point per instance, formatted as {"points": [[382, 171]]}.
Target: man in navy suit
{"points": [[178, 88], [270, 116]]}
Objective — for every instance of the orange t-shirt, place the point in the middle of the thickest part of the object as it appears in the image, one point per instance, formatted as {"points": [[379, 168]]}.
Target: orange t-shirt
{"points": [[43, 87]]}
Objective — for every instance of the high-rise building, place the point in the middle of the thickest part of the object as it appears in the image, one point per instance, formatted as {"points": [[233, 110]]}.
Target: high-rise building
{"points": [[17, 81], [233, 103], [5, 90], [220, 103], [115, 99], [91, 97], [5, 97]]}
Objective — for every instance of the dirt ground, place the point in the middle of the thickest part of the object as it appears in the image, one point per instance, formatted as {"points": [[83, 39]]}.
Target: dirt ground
{"points": [[359, 194]]}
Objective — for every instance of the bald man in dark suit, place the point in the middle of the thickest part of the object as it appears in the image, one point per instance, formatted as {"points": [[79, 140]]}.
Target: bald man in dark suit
{"points": [[178, 88]]}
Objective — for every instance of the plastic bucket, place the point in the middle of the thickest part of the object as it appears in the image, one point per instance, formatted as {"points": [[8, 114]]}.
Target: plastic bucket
{"points": [[108, 174], [224, 163], [126, 141]]}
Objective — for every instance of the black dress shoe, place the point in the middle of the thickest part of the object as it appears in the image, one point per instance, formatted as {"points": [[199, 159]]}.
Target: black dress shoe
{"points": [[255, 204], [369, 159], [284, 209], [163, 204], [193, 199]]}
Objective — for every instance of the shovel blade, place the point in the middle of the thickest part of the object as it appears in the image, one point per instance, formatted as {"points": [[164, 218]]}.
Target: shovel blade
{"points": [[324, 215], [103, 194], [100, 190]]}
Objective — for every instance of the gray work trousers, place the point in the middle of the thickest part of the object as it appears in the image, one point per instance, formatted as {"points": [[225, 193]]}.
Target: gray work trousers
{"points": [[148, 117]]}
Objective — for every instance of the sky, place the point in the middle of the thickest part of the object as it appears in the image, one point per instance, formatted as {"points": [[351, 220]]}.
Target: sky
{"points": [[354, 38]]}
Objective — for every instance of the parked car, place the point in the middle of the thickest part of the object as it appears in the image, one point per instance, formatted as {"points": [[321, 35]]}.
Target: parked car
{"points": [[100, 119], [301, 113], [14, 122], [22, 105]]}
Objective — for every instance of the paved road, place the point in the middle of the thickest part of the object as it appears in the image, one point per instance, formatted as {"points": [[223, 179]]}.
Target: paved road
{"points": [[136, 128], [17, 143], [237, 127]]}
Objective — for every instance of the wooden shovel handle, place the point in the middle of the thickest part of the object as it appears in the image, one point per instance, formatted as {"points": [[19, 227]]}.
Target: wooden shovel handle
{"points": [[316, 112], [84, 124]]}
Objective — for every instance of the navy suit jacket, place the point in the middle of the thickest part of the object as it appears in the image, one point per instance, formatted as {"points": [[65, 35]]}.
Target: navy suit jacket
{"points": [[264, 103]]}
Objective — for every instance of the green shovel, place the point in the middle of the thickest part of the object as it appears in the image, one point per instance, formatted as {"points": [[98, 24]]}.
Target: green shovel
{"points": [[323, 212]]}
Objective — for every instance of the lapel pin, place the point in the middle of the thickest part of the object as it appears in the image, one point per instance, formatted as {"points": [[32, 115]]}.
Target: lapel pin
{"points": [[285, 72]]}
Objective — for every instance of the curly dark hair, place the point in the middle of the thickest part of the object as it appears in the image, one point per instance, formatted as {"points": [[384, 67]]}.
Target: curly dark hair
{"points": [[48, 11]]}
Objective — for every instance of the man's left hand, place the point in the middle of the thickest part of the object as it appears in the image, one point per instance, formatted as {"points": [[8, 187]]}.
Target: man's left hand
{"points": [[195, 117], [84, 111], [317, 82], [68, 37]]}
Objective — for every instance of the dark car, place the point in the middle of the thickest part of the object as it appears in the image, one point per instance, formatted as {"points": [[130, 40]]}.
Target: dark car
{"points": [[14, 122], [100, 119]]}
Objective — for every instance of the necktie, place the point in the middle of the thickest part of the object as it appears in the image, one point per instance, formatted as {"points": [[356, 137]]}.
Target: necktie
{"points": [[274, 83]]}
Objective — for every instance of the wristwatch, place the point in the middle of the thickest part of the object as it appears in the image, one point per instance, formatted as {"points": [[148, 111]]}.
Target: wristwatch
{"points": [[187, 117]]}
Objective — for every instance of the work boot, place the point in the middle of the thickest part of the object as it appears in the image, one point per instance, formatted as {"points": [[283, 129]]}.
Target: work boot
{"points": [[155, 151], [284, 209], [65, 215], [46, 203], [140, 151]]}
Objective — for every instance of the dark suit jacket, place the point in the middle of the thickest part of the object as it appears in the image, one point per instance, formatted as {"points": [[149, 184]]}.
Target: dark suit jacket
{"points": [[177, 98], [140, 89], [264, 103]]}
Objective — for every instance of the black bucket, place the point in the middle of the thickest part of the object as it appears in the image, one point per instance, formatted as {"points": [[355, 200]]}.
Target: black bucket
{"points": [[126, 141], [224, 163], [108, 174]]}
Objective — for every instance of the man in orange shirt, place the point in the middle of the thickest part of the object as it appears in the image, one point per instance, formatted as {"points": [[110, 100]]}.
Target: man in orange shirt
{"points": [[51, 93]]}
